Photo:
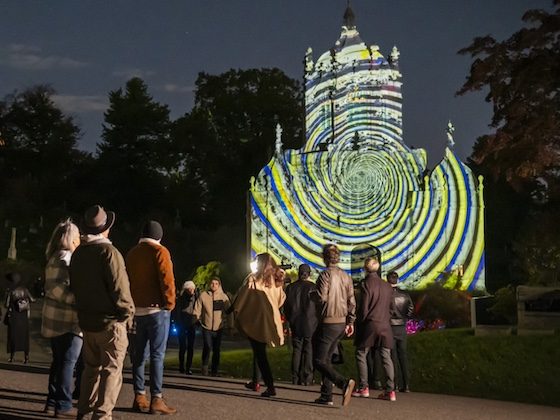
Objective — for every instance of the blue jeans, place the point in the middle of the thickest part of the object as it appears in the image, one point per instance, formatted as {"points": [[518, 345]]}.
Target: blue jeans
{"points": [[152, 329], [66, 349]]}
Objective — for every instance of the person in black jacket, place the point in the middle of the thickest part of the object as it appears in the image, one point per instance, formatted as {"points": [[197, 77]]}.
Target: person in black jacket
{"points": [[186, 325], [401, 311], [301, 310]]}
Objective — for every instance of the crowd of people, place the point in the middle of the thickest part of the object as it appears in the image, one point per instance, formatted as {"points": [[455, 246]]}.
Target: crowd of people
{"points": [[99, 306]]}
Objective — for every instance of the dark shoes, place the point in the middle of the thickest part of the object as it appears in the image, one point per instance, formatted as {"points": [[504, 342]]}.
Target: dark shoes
{"points": [[404, 389], [347, 392], [253, 386], [141, 403], [188, 372], [270, 392], [159, 406], [324, 401]]}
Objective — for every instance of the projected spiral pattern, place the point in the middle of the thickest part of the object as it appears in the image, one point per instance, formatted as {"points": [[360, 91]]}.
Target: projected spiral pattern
{"points": [[357, 184]]}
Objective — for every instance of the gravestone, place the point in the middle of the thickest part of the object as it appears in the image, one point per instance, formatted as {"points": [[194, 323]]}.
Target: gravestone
{"points": [[538, 308], [12, 251]]}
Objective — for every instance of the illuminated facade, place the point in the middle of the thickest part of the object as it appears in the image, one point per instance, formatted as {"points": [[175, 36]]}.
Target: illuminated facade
{"points": [[357, 184]]}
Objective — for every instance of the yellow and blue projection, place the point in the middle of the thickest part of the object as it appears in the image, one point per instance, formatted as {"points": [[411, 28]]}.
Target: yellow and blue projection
{"points": [[357, 184]]}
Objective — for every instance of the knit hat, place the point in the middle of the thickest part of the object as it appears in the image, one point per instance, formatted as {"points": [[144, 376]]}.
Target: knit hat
{"points": [[153, 230], [189, 285]]}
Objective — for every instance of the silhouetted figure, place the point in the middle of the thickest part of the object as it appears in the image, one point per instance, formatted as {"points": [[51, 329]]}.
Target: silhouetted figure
{"points": [[301, 311], [186, 325], [18, 308]]}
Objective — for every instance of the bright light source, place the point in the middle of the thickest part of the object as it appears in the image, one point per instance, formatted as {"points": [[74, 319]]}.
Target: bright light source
{"points": [[253, 265]]}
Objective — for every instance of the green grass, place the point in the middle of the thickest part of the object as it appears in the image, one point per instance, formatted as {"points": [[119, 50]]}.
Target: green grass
{"points": [[512, 368]]}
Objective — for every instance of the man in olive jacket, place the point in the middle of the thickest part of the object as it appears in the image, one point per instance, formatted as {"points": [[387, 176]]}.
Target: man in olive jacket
{"points": [[105, 309], [152, 284]]}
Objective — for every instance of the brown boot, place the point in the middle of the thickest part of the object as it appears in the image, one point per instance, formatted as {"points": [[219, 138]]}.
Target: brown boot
{"points": [[141, 403], [159, 406]]}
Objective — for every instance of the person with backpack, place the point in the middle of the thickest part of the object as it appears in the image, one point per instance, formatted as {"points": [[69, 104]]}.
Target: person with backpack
{"points": [[18, 305]]}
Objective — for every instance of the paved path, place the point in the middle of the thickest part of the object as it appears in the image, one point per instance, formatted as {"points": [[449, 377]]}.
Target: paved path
{"points": [[22, 396]]}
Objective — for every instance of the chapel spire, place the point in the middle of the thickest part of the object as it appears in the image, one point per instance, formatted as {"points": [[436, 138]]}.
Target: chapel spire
{"points": [[349, 17]]}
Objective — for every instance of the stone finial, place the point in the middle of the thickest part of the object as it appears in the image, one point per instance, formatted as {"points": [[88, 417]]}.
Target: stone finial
{"points": [[395, 54], [278, 139], [309, 60], [349, 19], [450, 130]]}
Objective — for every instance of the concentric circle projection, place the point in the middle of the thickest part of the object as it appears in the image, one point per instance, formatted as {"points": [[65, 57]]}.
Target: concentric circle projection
{"points": [[357, 184]]}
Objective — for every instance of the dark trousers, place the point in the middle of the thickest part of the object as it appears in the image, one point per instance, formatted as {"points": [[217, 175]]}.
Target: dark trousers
{"points": [[302, 360], [259, 354], [186, 338], [400, 357], [375, 368], [211, 340], [325, 342]]}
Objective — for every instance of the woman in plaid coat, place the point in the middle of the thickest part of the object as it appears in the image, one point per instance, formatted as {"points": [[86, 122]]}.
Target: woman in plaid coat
{"points": [[60, 319]]}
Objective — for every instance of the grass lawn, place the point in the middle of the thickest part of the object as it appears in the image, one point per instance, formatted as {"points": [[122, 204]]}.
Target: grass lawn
{"points": [[513, 368]]}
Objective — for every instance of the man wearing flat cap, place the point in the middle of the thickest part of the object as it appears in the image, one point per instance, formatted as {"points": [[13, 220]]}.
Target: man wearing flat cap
{"points": [[301, 309], [105, 308], [152, 285]]}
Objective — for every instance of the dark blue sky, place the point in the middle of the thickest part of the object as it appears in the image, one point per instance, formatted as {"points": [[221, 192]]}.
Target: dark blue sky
{"points": [[85, 48]]}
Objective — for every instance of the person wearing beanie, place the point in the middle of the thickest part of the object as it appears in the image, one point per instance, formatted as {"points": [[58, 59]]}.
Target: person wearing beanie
{"points": [[152, 286], [186, 325]]}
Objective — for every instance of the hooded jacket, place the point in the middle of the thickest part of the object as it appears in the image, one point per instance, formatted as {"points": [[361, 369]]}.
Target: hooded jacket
{"points": [[210, 308]]}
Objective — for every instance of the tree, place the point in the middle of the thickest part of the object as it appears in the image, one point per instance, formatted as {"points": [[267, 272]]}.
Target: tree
{"points": [[38, 155], [134, 160], [229, 135], [521, 159], [136, 130], [521, 75]]}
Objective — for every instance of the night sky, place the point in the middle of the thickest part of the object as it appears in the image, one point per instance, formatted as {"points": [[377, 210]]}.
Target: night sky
{"points": [[84, 49]]}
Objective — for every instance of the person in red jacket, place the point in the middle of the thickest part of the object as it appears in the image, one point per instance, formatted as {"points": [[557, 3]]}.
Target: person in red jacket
{"points": [[152, 286]]}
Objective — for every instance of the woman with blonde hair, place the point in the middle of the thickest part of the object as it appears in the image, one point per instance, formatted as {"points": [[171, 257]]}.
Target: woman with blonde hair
{"points": [[257, 313], [60, 319]]}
